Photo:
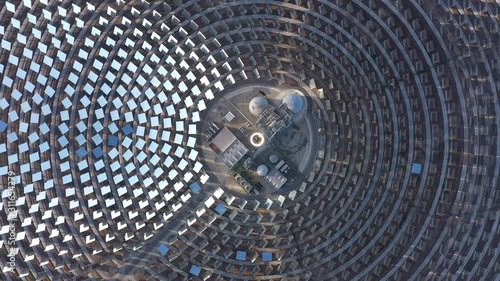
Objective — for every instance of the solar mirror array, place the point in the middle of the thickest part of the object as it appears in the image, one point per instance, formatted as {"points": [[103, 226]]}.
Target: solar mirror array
{"points": [[101, 105]]}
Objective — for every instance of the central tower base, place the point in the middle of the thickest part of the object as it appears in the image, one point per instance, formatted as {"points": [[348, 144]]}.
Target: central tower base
{"points": [[258, 139]]}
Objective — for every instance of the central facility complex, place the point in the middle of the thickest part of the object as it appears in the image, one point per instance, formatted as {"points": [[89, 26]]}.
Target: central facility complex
{"points": [[245, 131]]}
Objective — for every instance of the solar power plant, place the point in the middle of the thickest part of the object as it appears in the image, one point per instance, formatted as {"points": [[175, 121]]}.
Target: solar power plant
{"points": [[364, 140]]}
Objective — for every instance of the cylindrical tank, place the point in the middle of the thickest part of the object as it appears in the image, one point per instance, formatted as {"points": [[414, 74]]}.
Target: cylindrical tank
{"points": [[262, 170], [273, 158], [258, 105]]}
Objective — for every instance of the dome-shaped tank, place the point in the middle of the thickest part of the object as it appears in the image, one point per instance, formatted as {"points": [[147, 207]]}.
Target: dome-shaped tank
{"points": [[258, 105], [262, 170], [273, 158], [293, 102]]}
